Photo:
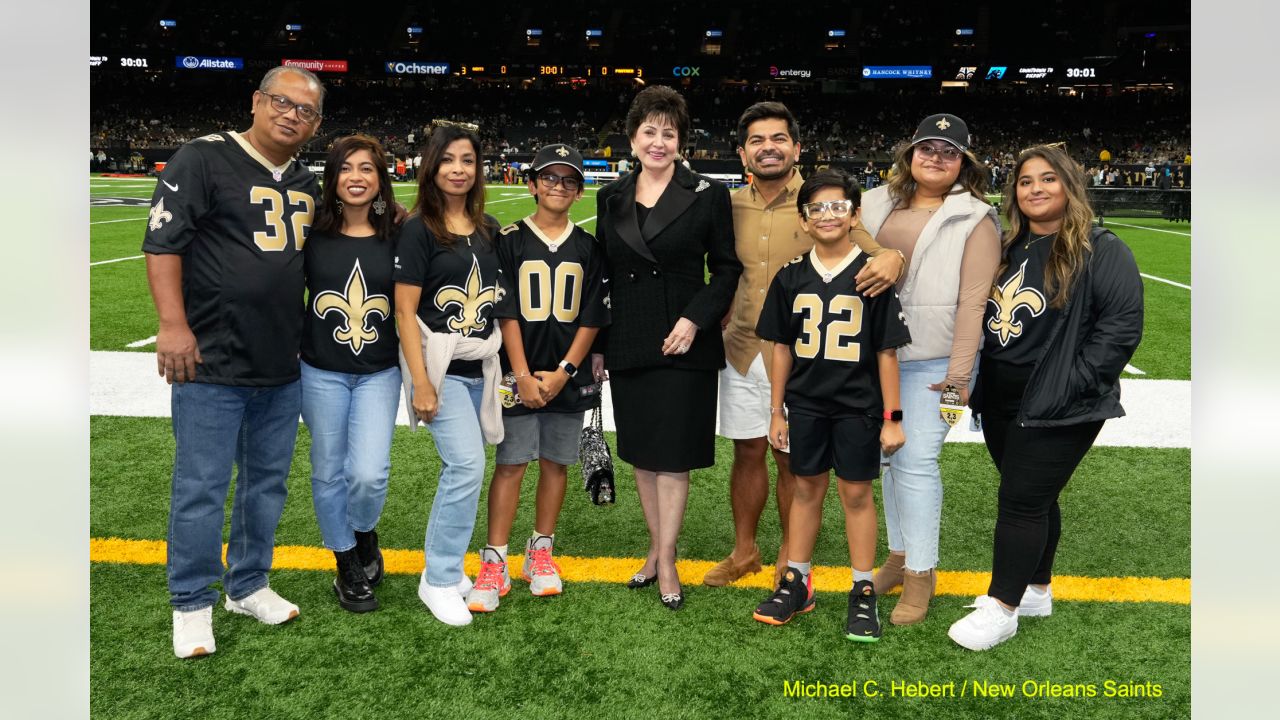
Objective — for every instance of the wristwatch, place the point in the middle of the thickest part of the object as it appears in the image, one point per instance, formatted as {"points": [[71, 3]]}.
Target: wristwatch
{"points": [[894, 415], [569, 368]]}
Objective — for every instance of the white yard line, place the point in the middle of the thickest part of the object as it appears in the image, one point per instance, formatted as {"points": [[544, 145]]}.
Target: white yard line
{"points": [[1127, 368], [116, 260], [1144, 227], [142, 343], [104, 222], [1169, 282], [583, 221]]}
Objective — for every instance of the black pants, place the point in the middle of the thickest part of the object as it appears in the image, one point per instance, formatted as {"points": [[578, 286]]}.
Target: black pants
{"points": [[1035, 465]]}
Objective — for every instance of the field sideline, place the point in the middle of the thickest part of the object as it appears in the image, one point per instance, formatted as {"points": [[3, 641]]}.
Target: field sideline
{"points": [[1123, 615]]}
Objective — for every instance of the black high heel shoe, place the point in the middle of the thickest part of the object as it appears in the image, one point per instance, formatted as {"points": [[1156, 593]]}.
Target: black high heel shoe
{"points": [[673, 601], [639, 580]]}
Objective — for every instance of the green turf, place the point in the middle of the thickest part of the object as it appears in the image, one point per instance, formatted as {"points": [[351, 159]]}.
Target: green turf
{"points": [[1108, 504], [604, 651]]}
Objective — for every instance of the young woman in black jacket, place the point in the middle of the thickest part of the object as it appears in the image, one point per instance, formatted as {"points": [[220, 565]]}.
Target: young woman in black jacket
{"points": [[1064, 317]]}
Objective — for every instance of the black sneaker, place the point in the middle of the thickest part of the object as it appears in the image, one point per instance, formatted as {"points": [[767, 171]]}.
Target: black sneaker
{"points": [[863, 624], [793, 596]]}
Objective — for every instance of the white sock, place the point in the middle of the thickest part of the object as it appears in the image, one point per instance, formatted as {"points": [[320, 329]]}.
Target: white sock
{"points": [[860, 575]]}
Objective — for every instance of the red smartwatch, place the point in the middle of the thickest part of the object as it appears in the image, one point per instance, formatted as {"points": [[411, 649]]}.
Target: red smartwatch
{"points": [[894, 415]]}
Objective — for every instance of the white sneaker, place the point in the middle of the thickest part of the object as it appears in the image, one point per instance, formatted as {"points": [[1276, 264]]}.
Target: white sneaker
{"points": [[265, 605], [987, 626], [540, 569], [445, 603], [1034, 603], [193, 633]]}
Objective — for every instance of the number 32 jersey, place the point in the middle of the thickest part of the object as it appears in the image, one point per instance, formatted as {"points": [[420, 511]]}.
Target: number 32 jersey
{"points": [[240, 232], [834, 333], [552, 286]]}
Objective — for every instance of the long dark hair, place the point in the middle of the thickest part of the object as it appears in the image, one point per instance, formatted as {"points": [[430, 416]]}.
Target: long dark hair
{"points": [[328, 220], [430, 203], [1072, 245]]}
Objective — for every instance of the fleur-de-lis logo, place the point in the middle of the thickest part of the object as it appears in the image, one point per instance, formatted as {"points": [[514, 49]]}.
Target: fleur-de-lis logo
{"points": [[471, 302], [943, 124], [562, 151], [158, 215], [356, 309], [1008, 298]]}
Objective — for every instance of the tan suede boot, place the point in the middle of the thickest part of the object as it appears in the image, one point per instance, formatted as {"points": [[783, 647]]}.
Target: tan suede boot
{"points": [[889, 576], [917, 590]]}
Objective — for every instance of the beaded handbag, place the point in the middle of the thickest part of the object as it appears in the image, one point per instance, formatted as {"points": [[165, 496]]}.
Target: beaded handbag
{"points": [[597, 461]]}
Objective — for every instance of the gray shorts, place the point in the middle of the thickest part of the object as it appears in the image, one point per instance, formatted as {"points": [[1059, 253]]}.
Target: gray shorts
{"points": [[550, 435]]}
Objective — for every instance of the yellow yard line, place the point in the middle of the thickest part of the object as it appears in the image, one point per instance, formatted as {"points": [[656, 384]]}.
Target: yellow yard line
{"points": [[618, 570]]}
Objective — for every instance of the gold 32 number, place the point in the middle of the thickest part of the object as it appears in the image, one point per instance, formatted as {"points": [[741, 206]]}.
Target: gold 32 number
{"points": [[275, 237], [562, 303], [840, 343]]}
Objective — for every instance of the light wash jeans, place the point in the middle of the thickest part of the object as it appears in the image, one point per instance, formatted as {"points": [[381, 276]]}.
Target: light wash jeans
{"points": [[911, 485], [351, 418], [215, 426], [460, 444]]}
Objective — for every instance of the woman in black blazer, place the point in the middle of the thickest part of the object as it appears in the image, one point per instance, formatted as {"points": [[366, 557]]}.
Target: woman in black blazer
{"points": [[662, 227]]}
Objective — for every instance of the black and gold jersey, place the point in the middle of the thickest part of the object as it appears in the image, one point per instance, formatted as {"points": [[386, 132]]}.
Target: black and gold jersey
{"points": [[350, 326], [240, 224], [834, 333], [552, 286]]}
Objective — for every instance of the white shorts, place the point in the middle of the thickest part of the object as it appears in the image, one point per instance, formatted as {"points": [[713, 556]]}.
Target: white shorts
{"points": [[744, 402]]}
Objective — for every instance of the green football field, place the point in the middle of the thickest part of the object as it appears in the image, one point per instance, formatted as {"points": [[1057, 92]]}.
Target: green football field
{"points": [[602, 650]]}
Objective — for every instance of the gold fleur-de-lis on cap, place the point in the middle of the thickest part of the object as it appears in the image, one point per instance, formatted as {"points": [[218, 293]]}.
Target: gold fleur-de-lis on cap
{"points": [[562, 151], [943, 124]]}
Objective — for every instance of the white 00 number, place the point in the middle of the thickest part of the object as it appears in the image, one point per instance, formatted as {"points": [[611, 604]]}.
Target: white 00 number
{"points": [[536, 305], [275, 237], [840, 333]]}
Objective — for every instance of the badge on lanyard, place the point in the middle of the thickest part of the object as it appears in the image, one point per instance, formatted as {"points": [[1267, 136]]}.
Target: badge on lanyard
{"points": [[950, 408], [507, 391]]}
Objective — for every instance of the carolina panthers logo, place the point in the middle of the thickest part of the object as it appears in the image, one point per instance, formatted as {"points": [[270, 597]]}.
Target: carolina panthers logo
{"points": [[1008, 298], [355, 310], [471, 302]]}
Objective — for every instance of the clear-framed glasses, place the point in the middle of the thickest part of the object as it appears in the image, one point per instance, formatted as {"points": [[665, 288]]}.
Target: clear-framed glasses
{"points": [[837, 208], [550, 180], [948, 153], [282, 104]]}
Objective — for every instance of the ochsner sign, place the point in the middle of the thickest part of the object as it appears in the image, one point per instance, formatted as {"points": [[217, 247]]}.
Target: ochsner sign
{"points": [[339, 66], [416, 68]]}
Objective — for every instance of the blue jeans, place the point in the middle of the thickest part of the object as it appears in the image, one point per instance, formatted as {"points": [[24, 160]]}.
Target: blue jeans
{"points": [[351, 418], [911, 487], [460, 444], [215, 426]]}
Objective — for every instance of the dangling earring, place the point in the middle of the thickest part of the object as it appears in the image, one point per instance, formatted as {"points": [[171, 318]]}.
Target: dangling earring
{"points": [[339, 207], [379, 206]]}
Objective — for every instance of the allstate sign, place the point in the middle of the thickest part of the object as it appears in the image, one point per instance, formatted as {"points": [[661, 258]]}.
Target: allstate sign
{"points": [[200, 62], [416, 68]]}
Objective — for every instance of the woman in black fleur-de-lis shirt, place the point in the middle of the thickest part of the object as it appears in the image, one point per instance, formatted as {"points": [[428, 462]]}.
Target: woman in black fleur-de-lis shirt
{"points": [[350, 379]]}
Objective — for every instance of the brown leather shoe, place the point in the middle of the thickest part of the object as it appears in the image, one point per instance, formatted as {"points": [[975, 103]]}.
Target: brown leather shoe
{"points": [[889, 576], [917, 590], [726, 571]]}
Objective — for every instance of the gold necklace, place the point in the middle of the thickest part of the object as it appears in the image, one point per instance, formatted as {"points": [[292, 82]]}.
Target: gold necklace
{"points": [[1034, 240]]}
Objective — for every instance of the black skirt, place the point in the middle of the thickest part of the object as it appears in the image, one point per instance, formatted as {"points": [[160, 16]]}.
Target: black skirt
{"points": [[666, 417]]}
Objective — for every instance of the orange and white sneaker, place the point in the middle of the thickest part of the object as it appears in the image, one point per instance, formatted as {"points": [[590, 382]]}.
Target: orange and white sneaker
{"points": [[540, 569], [492, 583]]}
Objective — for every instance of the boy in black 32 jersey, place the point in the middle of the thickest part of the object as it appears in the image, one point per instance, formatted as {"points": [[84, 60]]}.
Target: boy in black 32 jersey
{"points": [[836, 367], [553, 301]]}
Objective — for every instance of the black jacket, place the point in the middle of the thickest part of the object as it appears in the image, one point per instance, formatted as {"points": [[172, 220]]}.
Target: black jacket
{"points": [[656, 273], [1076, 378]]}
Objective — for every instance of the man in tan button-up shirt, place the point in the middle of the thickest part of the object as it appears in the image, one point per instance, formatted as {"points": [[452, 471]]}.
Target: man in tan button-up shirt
{"points": [[766, 225]]}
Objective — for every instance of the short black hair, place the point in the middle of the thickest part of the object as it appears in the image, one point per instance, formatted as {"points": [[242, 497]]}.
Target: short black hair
{"points": [[661, 101], [767, 110], [828, 178]]}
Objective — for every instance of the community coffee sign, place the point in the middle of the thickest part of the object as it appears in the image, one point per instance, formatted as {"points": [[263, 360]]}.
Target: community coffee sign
{"points": [[334, 66]]}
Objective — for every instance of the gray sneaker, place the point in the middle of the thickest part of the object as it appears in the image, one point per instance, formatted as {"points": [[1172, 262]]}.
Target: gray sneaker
{"points": [[540, 569]]}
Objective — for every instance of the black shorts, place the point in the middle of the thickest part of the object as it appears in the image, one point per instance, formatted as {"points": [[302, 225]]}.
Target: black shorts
{"points": [[849, 445]]}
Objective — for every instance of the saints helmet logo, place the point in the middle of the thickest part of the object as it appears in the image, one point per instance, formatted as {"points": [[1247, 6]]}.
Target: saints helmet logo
{"points": [[158, 215], [471, 302], [1008, 298], [562, 151], [356, 311], [943, 124]]}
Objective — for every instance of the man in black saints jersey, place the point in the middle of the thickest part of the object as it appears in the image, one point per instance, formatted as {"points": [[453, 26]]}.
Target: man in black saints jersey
{"points": [[224, 260], [553, 302], [835, 365]]}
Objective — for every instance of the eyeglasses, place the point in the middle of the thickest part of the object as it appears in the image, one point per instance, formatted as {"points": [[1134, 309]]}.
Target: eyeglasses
{"points": [[282, 104], [948, 153], [837, 208], [551, 180]]}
